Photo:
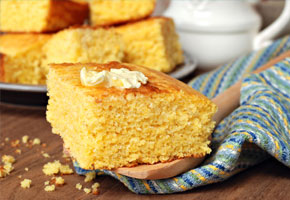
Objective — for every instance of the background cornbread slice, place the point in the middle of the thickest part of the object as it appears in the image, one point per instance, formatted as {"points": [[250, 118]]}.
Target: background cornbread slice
{"points": [[85, 45], [104, 12], [40, 15], [152, 43], [105, 128], [22, 58]]}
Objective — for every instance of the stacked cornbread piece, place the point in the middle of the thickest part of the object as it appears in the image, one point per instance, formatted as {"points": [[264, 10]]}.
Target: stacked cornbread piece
{"points": [[152, 42], [107, 127], [83, 45], [22, 58], [119, 30], [41, 15], [104, 12]]}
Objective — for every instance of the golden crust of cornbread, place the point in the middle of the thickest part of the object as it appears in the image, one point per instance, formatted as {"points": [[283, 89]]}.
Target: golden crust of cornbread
{"points": [[15, 44], [104, 13], [41, 16], [158, 81], [107, 128], [21, 58], [153, 43]]}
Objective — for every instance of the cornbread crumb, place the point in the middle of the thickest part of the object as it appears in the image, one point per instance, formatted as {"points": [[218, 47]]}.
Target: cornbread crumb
{"points": [[46, 183], [36, 141], [18, 151], [49, 188], [8, 159], [90, 176], [95, 187], [20, 176], [15, 143], [25, 139], [6, 169], [55, 167], [25, 183], [51, 168], [65, 169], [87, 190], [46, 155], [58, 181], [79, 186], [7, 139], [26, 169]]}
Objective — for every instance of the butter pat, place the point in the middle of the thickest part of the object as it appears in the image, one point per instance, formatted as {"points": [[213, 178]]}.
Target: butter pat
{"points": [[119, 78]]}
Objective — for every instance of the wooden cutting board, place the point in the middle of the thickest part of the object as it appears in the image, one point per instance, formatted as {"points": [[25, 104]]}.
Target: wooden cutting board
{"points": [[269, 180]]}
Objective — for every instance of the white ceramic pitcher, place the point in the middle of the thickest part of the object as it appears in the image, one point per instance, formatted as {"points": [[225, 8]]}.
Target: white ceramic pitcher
{"points": [[216, 31]]}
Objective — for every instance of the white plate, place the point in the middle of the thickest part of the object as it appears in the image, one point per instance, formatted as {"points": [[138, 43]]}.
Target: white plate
{"points": [[22, 87], [180, 72], [185, 69]]}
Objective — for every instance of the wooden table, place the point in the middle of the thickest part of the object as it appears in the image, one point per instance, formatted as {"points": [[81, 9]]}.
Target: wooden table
{"points": [[269, 180]]}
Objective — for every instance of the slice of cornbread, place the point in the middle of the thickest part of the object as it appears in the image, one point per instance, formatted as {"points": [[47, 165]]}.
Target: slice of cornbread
{"points": [[40, 15], [106, 128], [104, 12], [21, 58], [85, 45], [152, 43]]}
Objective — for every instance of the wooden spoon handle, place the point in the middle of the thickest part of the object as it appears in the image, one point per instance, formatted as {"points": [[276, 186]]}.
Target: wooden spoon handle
{"points": [[160, 170], [227, 102]]}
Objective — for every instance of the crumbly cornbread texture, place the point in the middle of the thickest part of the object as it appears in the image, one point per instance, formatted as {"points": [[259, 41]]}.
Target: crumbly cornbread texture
{"points": [[58, 181], [25, 183], [40, 15], [8, 159], [79, 186], [49, 188], [85, 45], [21, 58], [7, 167], [104, 12], [55, 167], [152, 43], [90, 176], [106, 128]]}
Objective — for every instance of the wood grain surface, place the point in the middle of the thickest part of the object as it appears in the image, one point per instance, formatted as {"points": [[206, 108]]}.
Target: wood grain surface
{"points": [[269, 180]]}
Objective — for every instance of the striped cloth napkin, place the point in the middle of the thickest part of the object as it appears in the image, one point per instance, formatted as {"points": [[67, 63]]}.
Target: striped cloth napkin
{"points": [[258, 129]]}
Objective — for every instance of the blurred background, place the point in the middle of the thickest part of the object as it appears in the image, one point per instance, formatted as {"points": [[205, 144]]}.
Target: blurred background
{"points": [[216, 32]]}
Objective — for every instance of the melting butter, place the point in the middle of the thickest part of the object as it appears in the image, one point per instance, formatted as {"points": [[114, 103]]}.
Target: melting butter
{"points": [[119, 78]]}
